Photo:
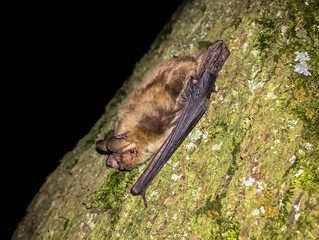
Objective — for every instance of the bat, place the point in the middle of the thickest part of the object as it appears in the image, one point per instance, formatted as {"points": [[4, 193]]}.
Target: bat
{"points": [[162, 111]]}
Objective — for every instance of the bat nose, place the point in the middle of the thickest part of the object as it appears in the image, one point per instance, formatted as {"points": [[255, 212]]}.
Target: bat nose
{"points": [[111, 162]]}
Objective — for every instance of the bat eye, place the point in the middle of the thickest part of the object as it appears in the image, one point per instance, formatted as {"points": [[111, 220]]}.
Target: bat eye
{"points": [[132, 151]]}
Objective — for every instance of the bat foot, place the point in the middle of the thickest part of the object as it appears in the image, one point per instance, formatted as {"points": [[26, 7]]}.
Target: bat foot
{"points": [[144, 199]]}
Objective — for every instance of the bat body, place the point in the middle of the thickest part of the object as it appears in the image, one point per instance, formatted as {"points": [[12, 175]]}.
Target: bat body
{"points": [[162, 111]]}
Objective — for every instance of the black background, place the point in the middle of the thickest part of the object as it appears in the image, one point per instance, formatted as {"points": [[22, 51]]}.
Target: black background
{"points": [[63, 62]]}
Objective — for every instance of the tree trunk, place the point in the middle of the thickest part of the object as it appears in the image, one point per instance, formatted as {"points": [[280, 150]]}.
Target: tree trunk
{"points": [[248, 170]]}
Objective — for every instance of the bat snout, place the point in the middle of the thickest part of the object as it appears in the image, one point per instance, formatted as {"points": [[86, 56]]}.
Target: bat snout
{"points": [[111, 162]]}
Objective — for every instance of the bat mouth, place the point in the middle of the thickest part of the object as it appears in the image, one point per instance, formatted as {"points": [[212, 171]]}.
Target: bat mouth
{"points": [[111, 162]]}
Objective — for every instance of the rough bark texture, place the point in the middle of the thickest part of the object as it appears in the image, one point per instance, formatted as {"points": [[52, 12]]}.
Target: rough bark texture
{"points": [[248, 170]]}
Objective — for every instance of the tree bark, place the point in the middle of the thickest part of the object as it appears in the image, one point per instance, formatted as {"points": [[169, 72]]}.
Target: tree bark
{"points": [[248, 170]]}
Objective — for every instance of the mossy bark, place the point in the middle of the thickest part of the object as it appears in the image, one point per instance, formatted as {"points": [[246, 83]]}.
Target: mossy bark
{"points": [[248, 170]]}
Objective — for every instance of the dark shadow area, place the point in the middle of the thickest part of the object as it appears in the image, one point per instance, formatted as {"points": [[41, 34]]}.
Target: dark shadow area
{"points": [[63, 61]]}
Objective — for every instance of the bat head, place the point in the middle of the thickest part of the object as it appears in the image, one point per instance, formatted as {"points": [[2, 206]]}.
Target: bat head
{"points": [[123, 155]]}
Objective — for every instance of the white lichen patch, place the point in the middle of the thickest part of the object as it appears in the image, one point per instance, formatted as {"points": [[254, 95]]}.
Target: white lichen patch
{"points": [[154, 193], [217, 146], [255, 53], [253, 86], [256, 212], [205, 137], [175, 177], [292, 159], [299, 173], [255, 72], [245, 47], [302, 57], [259, 186], [283, 30], [308, 146], [194, 136], [225, 100], [190, 145], [246, 120], [270, 95], [297, 215], [262, 209], [248, 182], [90, 221], [175, 164], [302, 66]]}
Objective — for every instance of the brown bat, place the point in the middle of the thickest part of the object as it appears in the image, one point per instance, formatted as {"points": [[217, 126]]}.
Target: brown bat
{"points": [[162, 111]]}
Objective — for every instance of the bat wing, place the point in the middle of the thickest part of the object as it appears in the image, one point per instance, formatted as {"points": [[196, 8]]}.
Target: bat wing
{"points": [[195, 107]]}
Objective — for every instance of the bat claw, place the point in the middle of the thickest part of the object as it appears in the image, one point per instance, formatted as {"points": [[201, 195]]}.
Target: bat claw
{"points": [[143, 196], [195, 81]]}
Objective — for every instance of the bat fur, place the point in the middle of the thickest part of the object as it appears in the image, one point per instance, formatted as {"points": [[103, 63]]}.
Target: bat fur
{"points": [[148, 116]]}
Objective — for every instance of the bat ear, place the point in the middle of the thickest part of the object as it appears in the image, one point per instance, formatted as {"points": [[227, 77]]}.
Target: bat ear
{"points": [[116, 143], [101, 145]]}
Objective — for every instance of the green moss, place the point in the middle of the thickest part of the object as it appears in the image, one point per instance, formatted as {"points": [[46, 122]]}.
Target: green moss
{"points": [[309, 179], [278, 41], [304, 13], [203, 8], [301, 99], [112, 194], [222, 228], [119, 97], [66, 224], [212, 208], [267, 37], [235, 150], [266, 202], [220, 128], [234, 166], [227, 229], [238, 22], [71, 164], [113, 189], [203, 44]]}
